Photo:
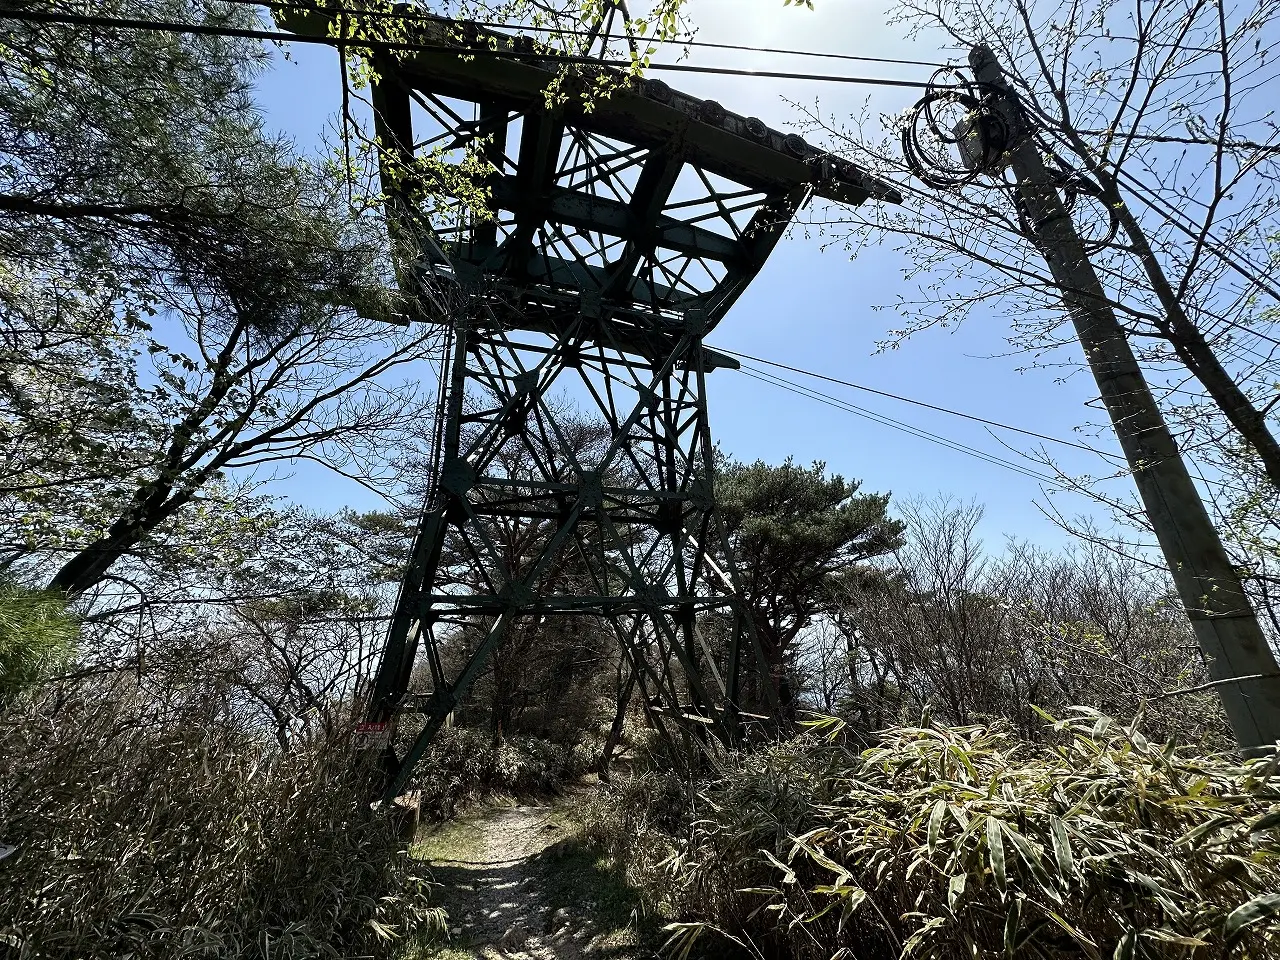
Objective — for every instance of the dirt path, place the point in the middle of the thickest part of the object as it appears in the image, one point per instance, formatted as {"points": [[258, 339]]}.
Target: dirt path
{"points": [[518, 888]]}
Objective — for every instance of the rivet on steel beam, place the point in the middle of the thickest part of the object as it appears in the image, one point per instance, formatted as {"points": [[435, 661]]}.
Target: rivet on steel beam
{"points": [[795, 145], [657, 90]]}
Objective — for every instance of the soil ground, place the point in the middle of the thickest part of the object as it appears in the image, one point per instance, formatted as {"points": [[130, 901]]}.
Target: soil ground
{"points": [[519, 886]]}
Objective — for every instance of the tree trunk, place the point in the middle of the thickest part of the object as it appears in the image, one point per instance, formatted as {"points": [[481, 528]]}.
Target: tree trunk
{"points": [[502, 706], [153, 503], [91, 564], [774, 655], [619, 720]]}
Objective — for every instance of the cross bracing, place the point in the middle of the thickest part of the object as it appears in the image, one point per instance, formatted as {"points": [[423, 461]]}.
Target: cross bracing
{"points": [[619, 232]]}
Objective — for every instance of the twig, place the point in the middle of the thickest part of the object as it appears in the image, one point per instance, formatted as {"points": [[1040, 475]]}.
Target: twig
{"points": [[1215, 683]]}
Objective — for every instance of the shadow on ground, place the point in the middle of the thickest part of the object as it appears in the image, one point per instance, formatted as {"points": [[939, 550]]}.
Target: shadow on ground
{"points": [[517, 887]]}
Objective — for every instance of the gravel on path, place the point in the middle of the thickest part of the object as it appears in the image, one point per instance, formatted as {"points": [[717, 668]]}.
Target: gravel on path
{"points": [[499, 904]]}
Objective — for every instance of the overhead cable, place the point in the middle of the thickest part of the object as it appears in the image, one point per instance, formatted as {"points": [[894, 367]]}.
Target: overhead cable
{"points": [[838, 404], [847, 407], [1156, 203], [921, 403], [280, 36], [566, 31]]}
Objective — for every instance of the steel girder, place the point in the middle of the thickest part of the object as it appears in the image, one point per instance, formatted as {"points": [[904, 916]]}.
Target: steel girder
{"points": [[621, 232]]}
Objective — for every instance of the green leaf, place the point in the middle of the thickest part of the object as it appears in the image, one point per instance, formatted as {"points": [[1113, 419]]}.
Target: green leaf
{"points": [[1205, 829], [1268, 821], [1166, 897], [1127, 946], [1062, 849], [1089, 946], [1165, 935], [921, 935], [963, 759], [1244, 916], [1044, 715], [1031, 857], [851, 903], [935, 824], [1011, 919], [788, 875], [995, 849], [682, 938], [955, 889]]}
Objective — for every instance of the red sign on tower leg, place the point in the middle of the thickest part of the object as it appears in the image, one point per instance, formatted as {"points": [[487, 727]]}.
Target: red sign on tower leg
{"points": [[372, 736]]}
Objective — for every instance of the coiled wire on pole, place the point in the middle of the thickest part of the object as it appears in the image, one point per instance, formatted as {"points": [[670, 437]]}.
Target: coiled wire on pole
{"points": [[951, 117], [1073, 186], [953, 137]]}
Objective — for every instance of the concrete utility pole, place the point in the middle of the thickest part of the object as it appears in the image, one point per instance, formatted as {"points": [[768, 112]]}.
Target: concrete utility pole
{"points": [[1239, 659]]}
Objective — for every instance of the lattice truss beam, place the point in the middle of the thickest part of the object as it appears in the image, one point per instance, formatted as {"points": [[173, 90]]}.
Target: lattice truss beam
{"points": [[619, 236]]}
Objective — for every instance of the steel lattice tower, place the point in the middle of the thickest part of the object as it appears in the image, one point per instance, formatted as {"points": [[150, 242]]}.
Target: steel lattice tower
{"points": [[623, 234]]}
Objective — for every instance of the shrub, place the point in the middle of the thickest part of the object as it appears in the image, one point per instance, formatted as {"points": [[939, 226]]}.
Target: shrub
{"points": [[634, 820], [956, 843], [465, 764], [154, 843]]}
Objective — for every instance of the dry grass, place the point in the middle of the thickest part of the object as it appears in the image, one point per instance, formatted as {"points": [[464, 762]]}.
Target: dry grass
{"points": [[465, 766], [185, 841]]}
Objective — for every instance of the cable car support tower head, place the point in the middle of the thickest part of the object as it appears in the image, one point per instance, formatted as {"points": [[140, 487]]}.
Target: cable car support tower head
{"points": [[620, 231]]}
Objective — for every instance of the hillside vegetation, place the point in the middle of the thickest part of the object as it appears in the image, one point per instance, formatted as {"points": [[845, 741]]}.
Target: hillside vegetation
{"points": [[959, 842]]}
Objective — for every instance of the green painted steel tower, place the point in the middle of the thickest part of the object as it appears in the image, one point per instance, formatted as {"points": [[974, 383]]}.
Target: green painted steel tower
{"points": [[624, 229]]}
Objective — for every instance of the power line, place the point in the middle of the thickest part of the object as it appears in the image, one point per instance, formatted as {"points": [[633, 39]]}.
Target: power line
{"points": [[921, 403], [1155, 202], [1202, 235], [566, 31], [280, 36], [1255, 146], [890, 422], [792, 387]]}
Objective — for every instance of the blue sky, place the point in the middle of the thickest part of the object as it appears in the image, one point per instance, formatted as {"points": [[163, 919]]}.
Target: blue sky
{"points": [[815, 309]]}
